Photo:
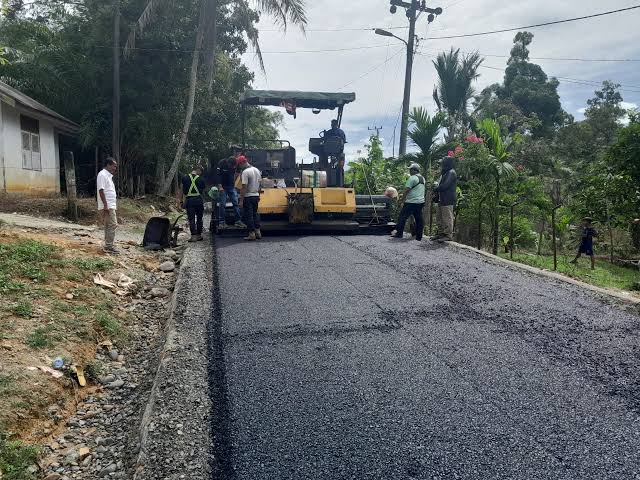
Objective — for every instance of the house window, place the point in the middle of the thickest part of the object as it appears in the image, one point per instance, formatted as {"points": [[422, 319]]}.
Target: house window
{"points": [[30, 129]]}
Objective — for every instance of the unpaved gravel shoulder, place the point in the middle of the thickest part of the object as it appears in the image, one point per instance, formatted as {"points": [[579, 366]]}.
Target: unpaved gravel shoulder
{"points": [[175, 427]]}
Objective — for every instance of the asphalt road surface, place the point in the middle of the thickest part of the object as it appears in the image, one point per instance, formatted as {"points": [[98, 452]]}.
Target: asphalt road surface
{"points": [[362, 357]]}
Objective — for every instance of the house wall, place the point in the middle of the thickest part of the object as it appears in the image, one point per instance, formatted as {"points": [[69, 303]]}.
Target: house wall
{"points": [[17, 179]]}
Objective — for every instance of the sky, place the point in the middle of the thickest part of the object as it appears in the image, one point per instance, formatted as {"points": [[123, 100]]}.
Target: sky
{"points": [[375, 71]]}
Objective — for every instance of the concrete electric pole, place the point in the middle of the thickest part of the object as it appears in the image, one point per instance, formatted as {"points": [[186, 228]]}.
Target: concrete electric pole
{"points": [[414, 9]]}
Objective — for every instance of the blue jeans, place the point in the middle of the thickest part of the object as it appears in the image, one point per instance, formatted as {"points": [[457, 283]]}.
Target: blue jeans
{"points": [[232, 195]]}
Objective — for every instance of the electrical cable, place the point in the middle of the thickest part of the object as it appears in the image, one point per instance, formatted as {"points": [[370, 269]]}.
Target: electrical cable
{"points": [[368, 72], [537, 25]]}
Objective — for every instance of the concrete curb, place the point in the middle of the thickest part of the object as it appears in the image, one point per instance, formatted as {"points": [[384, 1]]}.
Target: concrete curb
{"points": [[613, 294], [178, 400], [169, 335]]}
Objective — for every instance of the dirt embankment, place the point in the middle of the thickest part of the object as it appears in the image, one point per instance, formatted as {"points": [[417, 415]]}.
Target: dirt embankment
{"points": [[58, 316]]}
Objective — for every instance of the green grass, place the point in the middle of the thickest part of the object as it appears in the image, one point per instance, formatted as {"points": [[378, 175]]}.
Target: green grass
{"points": [[41, 337], [96, 264], [605, 274], [23, 309], [110, 325], [16, 458], [24, 260], [6, 384]]}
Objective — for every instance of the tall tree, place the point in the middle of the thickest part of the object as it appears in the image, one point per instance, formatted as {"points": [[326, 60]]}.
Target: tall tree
{"points": [[456, 74], [284, 10], [529, 88]]}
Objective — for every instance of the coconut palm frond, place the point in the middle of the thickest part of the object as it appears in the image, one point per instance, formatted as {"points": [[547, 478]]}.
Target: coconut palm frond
{"points": [[145, 19], [252, 35]]}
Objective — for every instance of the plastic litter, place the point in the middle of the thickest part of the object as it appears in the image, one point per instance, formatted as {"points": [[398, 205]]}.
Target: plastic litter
{"points": [[58, 363]]}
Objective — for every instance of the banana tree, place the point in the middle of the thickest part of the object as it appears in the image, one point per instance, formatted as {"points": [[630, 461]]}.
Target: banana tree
{"points": [[497, 165], [285, 11]]}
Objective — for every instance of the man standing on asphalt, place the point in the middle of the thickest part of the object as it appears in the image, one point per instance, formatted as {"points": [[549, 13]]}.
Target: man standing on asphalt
{"points": [[413, 202], [447, 192], [107, 203], [250, 198], [227, 191], [193, 188]]}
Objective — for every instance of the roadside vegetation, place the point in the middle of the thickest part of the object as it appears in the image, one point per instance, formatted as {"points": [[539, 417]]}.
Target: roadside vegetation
{"points": [[516, 148], [49, 308]]}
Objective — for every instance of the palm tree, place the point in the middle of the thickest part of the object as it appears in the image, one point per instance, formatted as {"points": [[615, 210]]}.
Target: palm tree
{"points": [[285, 11], [454, 91], [498, 166]]}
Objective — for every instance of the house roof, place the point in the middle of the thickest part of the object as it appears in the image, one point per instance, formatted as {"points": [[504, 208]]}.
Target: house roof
{"points": [[14, 97]]}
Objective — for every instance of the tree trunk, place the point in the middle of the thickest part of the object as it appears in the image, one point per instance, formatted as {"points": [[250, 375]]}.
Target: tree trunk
{"points": [[212, 35], [496, 218], [70, 177], [540, 236], [193, 82]]}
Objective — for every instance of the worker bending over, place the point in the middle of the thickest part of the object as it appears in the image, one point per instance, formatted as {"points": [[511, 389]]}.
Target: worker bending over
{"points": [[250, 198], [193, 188]]}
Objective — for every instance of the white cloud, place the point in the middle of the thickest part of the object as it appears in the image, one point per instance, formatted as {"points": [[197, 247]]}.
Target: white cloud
{"points": [[379, 93]]}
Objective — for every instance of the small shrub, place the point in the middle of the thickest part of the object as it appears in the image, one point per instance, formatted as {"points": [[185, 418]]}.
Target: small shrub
{"points": [[110, 325], [5, 384], [8, 285], [16, 458], [40, 338], [23, 309], [93, 370]]}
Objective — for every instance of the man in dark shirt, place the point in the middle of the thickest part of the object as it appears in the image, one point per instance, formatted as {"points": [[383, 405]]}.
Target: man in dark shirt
{"points": [[227, 191], [193, 187], [586, 241], [335, 132]]}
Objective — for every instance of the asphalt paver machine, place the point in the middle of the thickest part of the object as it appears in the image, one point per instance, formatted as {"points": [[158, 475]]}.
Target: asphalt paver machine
{"points": [[298, 197]]}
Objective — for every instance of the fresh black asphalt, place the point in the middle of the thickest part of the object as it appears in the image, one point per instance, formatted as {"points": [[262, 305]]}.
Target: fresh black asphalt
{"points": [[361, 357]]}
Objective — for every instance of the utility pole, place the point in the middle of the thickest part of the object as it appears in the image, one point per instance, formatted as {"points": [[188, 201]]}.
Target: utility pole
{"points": [[116, 83], [414, 10], [404, 124], [377, 129]]}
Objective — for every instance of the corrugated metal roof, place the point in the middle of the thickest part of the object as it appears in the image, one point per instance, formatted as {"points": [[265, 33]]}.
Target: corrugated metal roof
{"points": [[29, 103]]}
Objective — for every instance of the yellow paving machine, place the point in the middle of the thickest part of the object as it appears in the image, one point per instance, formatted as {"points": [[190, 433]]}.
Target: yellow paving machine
{"points": [[312, 197]]}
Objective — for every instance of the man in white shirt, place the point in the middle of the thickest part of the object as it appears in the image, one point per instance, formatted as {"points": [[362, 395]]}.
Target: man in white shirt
{"points": [[250, 198], [107, 203]]}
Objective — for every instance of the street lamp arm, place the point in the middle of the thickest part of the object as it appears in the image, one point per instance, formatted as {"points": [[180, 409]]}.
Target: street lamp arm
{"points": [[385, 33]]}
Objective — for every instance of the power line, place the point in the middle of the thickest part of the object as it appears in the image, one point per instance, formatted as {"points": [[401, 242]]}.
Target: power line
{"points": [[537, 25], [173, 50], [613, 60], [513, 29], [368, 72], [631, 88]]}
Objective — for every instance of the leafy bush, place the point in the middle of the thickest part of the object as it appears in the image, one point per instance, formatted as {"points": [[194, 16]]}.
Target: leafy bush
{"points": [[16, 458]]}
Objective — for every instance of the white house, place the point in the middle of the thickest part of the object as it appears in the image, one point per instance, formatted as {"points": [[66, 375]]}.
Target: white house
{"points": [[29, 144]]}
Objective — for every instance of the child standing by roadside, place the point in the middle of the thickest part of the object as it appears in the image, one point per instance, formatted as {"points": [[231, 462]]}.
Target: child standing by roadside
{"points": [[586, 242]]}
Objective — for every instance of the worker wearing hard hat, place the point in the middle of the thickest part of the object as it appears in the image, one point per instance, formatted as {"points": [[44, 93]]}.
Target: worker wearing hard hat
{"points": [[413, 202]]}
